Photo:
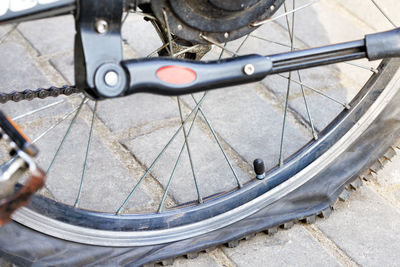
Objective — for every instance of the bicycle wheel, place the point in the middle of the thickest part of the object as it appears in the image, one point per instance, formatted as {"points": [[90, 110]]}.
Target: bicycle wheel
{"points": [[307, 170]]}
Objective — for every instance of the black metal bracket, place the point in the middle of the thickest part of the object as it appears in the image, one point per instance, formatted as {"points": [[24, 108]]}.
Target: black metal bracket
{"points": [[98, 48]]}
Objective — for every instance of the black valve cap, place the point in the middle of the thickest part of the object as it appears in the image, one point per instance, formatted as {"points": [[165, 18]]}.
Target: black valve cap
{"points": [[259, 166]]}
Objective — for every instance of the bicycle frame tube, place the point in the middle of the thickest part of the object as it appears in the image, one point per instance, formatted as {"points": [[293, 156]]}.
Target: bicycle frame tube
{"points": [[18, 11]]}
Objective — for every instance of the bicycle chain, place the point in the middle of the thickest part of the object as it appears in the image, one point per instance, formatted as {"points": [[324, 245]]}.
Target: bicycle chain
{"points": [[41, 93]]}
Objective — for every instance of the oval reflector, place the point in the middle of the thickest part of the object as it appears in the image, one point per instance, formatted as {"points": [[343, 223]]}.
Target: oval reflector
{"points": [[176, 74]]}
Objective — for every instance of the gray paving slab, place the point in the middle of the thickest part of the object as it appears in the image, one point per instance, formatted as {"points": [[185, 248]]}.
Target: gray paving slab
{"points": [[368, 13], [367, 229], [50, 36], [202, 260], [136, 111], [295, 247], [388, 182], [64, 63]]}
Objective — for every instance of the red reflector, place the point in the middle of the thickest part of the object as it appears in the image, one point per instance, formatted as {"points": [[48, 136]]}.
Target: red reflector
{"points": [[176, 74]]}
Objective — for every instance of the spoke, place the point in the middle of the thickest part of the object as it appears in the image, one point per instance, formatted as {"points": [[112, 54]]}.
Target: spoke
{"points": [[283, 15], [291, 37], [66, 135], [383, 13], [346, 106], [86, 155], [171, 50], [269, 41], [315, 135], [223, 47], [185, 135], [120, 209], [284, 121], [56, 124], [160, 207], [242, 43], [42, 108], [186, 50], [219, 144], [158, 50], [374, 70]]}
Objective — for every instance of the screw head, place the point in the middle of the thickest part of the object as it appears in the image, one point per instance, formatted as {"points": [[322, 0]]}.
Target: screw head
{"points": [[101, 26], [248, 69], [111, 78]]}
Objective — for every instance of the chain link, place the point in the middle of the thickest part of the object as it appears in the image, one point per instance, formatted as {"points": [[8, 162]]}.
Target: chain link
{"points": [[41, 93]]}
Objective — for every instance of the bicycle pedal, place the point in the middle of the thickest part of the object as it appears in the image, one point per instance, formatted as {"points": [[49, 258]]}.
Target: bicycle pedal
{"points": [[12, 171]]}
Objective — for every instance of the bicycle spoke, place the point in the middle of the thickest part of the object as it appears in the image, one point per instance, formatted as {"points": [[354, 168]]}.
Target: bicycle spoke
{"points": [[284, 121], [158, 50], [210, 40], [291, 37], [242, 43], [185, 135], [42, 108], [176, 165], [346, 106], [120, 209], [219, 144], [66, 135], [171, 50], [186, 50], [315, 135], [56, 124], [86, 155], [255, 24], [372, 69], [384, 13]]}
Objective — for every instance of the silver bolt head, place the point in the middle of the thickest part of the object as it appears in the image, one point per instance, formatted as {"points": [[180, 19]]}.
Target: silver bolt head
{"points": [[111, 78], [249, 69], [101, 26]]}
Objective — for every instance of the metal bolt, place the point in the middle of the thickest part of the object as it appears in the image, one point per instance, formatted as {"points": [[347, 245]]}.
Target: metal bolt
{"points": [[101, 26], [111, 78], [226, 35], [180, 27], [272, 8], [248, 69]]}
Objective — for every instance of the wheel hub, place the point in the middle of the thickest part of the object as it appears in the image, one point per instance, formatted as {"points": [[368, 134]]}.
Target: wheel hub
{"points": [[222, 20]]}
